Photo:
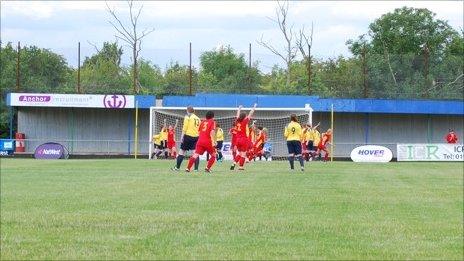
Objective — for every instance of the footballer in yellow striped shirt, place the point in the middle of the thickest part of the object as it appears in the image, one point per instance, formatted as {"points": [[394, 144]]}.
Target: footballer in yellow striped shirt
{"points": [[189, 137], [293, 133]]}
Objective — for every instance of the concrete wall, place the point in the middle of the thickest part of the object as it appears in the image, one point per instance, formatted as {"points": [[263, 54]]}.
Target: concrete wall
{"points": [[103, 131]]}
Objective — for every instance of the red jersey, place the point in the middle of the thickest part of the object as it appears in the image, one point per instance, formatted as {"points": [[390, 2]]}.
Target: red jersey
{"points": [[242, 127], [206, 126], [260, 140], [451, 138], [171, 134]]}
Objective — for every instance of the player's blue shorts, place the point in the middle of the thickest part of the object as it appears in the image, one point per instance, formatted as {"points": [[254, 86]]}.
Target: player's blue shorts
{"points": [[188, 143], [219, 145], [294, 147]]}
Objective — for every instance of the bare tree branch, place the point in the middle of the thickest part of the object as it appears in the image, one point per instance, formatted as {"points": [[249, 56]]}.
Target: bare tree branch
{"points": [[94, 46], [131, 37]]}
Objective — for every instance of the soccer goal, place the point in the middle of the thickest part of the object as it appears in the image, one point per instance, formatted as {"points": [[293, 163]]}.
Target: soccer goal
{"points": [[274, 119]]}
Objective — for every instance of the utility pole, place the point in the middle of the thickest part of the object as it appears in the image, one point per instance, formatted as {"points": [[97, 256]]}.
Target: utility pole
{"points": [[364, 69], [249, 68], [79, 67], [18, 73], [190, 71]]}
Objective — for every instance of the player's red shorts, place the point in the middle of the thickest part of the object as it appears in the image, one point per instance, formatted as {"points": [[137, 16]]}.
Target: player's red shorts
{"points": [[321, 146], [243, 144], [202, 147]]}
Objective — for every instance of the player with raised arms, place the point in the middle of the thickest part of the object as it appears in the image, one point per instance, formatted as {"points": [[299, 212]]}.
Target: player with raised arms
{"points": [[189, 137], [293, 133], [206, 142], [172, 140], [322, 146], [233, 139], [242, 142]]}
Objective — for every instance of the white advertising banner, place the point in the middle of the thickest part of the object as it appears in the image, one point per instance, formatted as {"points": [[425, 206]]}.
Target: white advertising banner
{"points": [[110, 101], [430, 152], [371, 153]]}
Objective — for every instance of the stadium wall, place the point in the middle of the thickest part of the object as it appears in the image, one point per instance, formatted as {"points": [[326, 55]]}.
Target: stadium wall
{"points": [[357, 121]]}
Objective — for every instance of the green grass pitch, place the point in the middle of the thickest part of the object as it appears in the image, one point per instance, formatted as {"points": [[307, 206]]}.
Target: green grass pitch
{"points": [[139, 209]]}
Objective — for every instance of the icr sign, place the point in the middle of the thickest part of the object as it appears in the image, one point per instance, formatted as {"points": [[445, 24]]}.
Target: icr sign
{"points": [[430, 152]]}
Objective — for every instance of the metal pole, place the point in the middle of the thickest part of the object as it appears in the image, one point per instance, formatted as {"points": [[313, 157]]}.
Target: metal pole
{"points": [[11, 122], [190, 71], [249, 68], [136, 128], [17, 68], [79, 67], [332, 128]]}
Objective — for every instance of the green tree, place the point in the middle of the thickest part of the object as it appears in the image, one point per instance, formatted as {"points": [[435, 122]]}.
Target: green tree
{"points": [[407, 51], [177, 79], [102, 72], [150, 77], [223, 70]]}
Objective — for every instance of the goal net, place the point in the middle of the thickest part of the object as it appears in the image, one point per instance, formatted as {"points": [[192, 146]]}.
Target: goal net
{"points": [[274, 119]]}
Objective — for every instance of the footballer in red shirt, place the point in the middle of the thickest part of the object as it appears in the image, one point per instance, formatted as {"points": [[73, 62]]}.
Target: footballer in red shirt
{"points": [[206, 142], [233, 141], [322, 146], [172, 140], [243, 143]]}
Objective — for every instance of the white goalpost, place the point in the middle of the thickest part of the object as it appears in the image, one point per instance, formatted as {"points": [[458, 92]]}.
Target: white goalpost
{"points": [[274, 119]]}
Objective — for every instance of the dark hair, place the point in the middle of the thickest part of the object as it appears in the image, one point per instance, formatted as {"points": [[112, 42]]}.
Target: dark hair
{"points": [[241, 116], [190, 109], [293, 118], [260, 128], [218, 126], [209, 115]]}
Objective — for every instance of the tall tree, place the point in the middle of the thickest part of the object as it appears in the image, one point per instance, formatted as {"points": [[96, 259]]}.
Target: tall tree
{"points": [[289, 53], [305, 44], [102, 72], [406, 44], [131, 35], [223, 70]]}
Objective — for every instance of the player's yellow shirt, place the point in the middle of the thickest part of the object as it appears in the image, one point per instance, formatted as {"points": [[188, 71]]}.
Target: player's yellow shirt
{"points": [[293, 131], [191, 124], [164, 134], [316, 136], [157, 139], [219, 134]]}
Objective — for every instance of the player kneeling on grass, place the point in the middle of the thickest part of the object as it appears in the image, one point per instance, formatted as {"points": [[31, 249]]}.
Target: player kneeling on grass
{"points": [[206, 142], [243, 143], [293, 135]]}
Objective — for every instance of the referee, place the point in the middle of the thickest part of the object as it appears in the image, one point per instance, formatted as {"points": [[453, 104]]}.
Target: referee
{"points": [[189, 137]]}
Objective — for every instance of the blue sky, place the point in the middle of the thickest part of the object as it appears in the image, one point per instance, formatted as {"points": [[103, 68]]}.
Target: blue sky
{"points": [[59, 25]]}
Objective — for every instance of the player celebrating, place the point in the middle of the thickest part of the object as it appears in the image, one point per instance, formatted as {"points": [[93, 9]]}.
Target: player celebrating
{"points": [[206, 142], [172, 140], [322, 146], [241, 125], [157, 145], [189, 136], [164, 139], [293, 135]]}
